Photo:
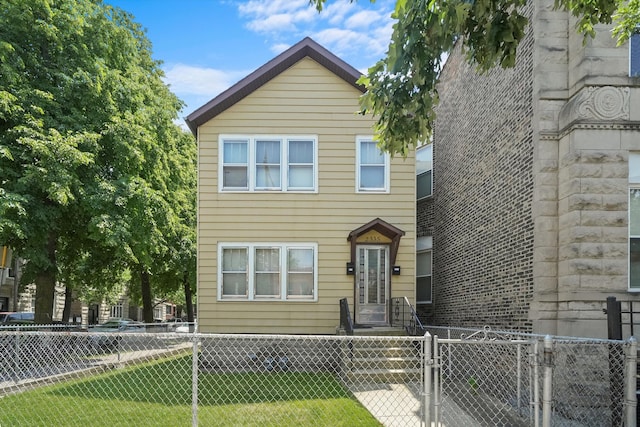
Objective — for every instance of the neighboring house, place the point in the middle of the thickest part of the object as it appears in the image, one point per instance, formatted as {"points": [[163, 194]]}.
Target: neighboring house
{"points": [[297, 207], [537, 181], [424, 231], [14, 299]]}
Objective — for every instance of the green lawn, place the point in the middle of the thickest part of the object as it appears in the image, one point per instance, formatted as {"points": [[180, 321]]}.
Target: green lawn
{"points": [[159, 394]]}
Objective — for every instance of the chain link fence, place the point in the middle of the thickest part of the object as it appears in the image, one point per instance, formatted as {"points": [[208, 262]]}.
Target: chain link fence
{"points": [[514, 379], [449, 377]]}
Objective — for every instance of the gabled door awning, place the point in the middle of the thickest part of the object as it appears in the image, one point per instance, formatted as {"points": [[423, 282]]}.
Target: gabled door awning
{"points": [[377, 231]]}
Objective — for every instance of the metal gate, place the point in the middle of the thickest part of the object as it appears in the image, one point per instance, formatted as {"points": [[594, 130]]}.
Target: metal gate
{"points": [[494, 379], [480, 382]]}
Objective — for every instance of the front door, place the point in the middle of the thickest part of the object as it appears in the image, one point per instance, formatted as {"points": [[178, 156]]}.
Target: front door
{"points": [[372, 284]]}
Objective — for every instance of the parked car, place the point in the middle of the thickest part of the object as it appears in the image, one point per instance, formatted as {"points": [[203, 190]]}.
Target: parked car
{"points": [[102, 337], [186, 327], [170, 325], [119, 325], [17, 318]]}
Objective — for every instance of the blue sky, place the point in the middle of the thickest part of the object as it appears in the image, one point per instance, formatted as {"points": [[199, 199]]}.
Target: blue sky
{"points": [[208, 45]]}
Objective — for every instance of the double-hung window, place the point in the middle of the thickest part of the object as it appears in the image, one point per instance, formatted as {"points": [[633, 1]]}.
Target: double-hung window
{"points": [[634, 54], [424, 166], [634, 221], [268, 163], [372, 166], [267, 271], [424, 255]]}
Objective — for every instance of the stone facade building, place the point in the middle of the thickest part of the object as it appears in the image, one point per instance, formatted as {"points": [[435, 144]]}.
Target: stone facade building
{"points": [[532, 190]]}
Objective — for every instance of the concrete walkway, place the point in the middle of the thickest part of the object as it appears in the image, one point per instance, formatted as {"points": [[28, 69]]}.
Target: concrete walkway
{"points": [[398, 405]]}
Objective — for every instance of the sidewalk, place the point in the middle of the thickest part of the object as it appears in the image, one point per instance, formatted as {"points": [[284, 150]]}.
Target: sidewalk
{"points": [[39, 375]]}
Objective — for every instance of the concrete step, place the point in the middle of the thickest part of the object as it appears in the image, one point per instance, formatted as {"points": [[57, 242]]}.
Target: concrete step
{"points": [[379, 331], [379, 351], [388, 363], [383, 375]]}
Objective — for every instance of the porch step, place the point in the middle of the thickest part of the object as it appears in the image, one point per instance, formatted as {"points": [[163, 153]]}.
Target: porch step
{"points": [[376, 352], [379, 331], [392, 376], [382, 361]]}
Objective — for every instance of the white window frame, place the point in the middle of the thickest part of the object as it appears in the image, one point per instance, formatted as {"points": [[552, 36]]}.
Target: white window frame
{"points": [[423, 245], [252, 163], [427, 148], [634, 42], [158, 312], [117, 310], [387, 168], [633, 184], [284, 269]]}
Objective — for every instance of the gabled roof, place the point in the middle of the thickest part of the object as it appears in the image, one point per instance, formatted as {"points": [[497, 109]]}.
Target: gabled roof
{"points": [[382, 227], [306, 47]]}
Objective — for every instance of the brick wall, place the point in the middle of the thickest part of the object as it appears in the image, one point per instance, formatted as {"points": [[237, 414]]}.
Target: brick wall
{"points": [[425, 219], [483, 225]]}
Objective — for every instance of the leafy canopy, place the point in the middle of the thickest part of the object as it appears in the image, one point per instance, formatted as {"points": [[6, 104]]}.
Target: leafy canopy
{"points": [[401, 88], [95, 176]]}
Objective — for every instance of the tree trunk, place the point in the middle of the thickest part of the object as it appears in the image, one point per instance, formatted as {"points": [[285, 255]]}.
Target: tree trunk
{"points": [[147, 303], [46, 286], [187, 296], [68, 300]]}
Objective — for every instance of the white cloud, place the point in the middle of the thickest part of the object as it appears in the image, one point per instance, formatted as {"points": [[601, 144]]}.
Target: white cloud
{"points": [[356, 31], [190, 80], [261, 8], [278, 48], [277, 16], [363, 19], [273, 23], [336, 12]]}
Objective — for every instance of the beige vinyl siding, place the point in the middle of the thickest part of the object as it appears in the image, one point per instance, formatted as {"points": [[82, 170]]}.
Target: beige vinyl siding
{"points": [[306, 99]]}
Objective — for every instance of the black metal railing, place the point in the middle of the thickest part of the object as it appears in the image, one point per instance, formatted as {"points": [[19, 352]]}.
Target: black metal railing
{"points": [[622, 318], [345, 317], [404, 315]]}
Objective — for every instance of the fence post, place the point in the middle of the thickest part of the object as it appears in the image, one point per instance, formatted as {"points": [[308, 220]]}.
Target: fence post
{"points": [[194, 382], [16, 357], [519, 375], [547, 387], [535, 402], [630, 374], [436, 380], [614, 318], [426, 392]]}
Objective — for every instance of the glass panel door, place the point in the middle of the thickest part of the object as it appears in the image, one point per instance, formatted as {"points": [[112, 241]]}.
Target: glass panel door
{"points": [[372, 284]]}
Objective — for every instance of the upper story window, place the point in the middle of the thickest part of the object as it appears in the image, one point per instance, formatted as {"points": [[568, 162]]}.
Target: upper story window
{"points": [[634, 221], [267, 271], [268, 163], [634, 55], [424, 175], [372, 166], [424, 256], [117, 310]]}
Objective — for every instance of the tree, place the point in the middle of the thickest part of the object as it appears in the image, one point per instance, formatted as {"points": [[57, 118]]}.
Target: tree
{"points": [[86, 138], [401, 88]]}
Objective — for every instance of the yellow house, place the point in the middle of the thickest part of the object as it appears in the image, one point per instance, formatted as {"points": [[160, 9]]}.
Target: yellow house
{"points": [[297, 207]]}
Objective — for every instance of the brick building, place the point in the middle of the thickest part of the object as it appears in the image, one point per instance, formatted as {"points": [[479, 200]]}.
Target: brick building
{"points": [[533, 232]]}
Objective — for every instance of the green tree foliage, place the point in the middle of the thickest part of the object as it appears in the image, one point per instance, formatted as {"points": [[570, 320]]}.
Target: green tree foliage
{"points": [[401, 88], [88, 148]]}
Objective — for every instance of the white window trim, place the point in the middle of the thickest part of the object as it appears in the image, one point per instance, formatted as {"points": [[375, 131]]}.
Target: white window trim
{"points": [[387, 168], [632, 186], [636, 37], [424, 244], [284, 247], [117, 310], [430, 148], [284, 163]]}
